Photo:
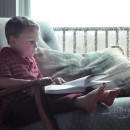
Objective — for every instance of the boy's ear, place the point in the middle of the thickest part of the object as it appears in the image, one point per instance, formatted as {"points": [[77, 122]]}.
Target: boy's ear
{"points": [[12, 41]]}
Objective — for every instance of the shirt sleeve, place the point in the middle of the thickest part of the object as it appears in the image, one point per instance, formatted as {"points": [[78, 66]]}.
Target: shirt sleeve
{"points": [[4, 69], [40, 74]]}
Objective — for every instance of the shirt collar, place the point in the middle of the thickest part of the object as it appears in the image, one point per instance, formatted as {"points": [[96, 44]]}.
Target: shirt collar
{"points": [[15, 55]]}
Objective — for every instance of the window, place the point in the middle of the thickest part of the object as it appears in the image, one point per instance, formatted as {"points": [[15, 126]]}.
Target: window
{"points": [[82, 12]]}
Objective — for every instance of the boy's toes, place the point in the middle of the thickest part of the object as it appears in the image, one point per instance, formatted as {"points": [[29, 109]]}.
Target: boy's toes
{"points": [[112, 95], [115, 92]]}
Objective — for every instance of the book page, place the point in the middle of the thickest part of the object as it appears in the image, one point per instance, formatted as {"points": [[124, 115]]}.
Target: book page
{"points": [[78, 82], [96, 79]]}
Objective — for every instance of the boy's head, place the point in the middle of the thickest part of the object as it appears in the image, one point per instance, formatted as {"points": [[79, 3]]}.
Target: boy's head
{"points": [[22, 34]]}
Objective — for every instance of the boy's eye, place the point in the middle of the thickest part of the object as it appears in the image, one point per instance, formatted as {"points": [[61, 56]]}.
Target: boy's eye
{"points": [[31, 42]]}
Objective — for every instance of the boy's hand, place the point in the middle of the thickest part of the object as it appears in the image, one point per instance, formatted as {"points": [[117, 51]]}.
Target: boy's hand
{"points": [[58, 81], [42, 81], [46, 81]]}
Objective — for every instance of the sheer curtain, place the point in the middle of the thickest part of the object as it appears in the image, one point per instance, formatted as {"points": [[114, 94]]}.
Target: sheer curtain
{"points": [[23, 7], [82, 12]]}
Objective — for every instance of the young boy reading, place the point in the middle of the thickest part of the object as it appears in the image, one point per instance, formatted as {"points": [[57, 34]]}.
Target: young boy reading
{"points": [[17, 66]]}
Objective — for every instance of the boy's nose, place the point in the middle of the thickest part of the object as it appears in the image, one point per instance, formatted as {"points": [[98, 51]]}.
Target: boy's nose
{"points": [[35, 45]]}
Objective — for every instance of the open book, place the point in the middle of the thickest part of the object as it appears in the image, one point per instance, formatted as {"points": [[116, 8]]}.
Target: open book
{"points": [[78, 85]]}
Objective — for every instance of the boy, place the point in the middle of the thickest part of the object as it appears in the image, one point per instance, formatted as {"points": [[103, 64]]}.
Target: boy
{"points": [[17, 66]]}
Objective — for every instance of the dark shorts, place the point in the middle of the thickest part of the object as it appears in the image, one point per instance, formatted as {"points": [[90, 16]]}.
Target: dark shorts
{"points": [[23, 110]]}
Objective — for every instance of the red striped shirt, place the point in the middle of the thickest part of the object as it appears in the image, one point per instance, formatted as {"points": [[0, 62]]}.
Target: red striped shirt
{"points": [[15, 66]]}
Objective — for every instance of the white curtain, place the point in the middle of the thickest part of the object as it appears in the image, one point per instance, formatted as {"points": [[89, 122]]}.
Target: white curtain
{"points": [[10, 8]]}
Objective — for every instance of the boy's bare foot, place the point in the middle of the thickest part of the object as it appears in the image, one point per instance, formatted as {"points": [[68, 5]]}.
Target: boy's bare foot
{"points": [[109, 95], [89, 101]]}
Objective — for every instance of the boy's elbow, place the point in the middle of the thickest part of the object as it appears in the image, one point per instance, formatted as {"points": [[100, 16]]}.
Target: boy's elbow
{"points": [[6, 82]]}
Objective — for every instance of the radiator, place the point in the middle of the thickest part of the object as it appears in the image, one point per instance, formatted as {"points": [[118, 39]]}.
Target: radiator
{"points": [[121, 34]]}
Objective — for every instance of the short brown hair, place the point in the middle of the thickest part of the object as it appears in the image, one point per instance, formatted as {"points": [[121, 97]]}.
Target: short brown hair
{"points": [[16, 25]]}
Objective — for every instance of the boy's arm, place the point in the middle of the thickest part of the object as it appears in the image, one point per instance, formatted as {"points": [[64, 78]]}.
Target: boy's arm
{"points": [[6, 82]]}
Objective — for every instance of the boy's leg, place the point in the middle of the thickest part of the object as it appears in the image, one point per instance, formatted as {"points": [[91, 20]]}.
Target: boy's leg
{"points": [[23, 111], [86, 100], [4, 110], [26, 107], [62, 102], [65, 103]]}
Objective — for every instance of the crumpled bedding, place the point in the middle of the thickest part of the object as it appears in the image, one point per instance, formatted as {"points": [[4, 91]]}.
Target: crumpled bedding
{"points": [[71, 66]]}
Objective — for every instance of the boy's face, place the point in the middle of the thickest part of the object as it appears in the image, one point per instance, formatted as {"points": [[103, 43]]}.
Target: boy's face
{"points": [[26, 43]]}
